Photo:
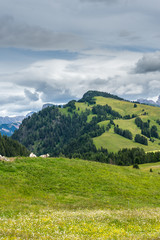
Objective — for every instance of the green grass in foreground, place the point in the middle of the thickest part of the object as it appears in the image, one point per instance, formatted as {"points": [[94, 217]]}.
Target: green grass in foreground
{"points": [[86, 224], [76, 199]]}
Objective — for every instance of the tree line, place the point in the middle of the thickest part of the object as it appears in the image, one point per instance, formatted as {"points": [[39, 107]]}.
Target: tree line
{"points": [[146, 130], [124, 133], [11, 148]]}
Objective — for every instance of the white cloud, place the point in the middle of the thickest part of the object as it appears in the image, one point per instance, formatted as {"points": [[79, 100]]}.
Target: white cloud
{"points": [[125, 28], [59, 81]]}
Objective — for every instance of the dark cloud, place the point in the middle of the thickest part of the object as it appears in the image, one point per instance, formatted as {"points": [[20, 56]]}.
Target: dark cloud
{"points": [[31, 96], [46, 91], [57, 95], [148, 63], [53, 92], [14, 34]]}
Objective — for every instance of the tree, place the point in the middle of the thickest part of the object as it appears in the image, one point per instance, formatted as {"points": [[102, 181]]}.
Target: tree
{"points": [[154, 132], [135, 105], [141, 139]]}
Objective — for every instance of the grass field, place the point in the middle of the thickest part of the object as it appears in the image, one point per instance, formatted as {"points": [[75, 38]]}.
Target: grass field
{"points": [[113, 142], [77, 199], [125, 108]]}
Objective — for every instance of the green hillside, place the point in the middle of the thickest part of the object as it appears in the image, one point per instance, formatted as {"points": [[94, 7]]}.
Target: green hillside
{"points": [[114, 142], [59, 198], [125, 107], [11, 148], [81, 129]]}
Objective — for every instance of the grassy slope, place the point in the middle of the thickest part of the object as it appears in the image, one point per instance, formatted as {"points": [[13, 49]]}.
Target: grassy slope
{"points": [[125, 108], [61, 199], [114, 142], [75, 184]]}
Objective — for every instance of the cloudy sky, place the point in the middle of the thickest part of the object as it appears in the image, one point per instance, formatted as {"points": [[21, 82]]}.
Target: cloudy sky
{"points": [[54, 51]]}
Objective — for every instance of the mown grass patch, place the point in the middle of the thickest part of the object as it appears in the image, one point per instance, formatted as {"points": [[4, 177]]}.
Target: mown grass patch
{"points": [[114, 142]]}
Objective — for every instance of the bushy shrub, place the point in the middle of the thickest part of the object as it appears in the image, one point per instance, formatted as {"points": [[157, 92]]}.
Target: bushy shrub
{"points": [[136, 166]]}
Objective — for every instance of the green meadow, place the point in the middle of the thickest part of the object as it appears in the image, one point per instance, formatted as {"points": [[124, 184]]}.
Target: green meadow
{"points": [[58, 198], [114, 142]]}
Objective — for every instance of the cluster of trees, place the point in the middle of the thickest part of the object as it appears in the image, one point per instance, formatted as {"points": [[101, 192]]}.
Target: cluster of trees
{"points": [[141, 139], [158, 121], [104, 112], [141, 124], [49, 131], [146, 130], [11, 148], [124, 157], [71, 106], [128, 116], [89, 96], [124, 133], [135, 156]]}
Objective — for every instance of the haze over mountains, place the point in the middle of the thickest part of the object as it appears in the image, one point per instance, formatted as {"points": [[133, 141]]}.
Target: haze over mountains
{"points": [[149, 102], [9, 124]]}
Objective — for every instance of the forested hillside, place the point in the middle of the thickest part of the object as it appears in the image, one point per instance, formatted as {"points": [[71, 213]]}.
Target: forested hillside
{"points": [[97, 127], [11, 148]]}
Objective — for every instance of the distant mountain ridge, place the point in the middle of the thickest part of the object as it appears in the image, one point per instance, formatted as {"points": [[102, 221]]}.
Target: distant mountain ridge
{"points": [[9, 120], [149, 102], [8, 129], [9, 124]]}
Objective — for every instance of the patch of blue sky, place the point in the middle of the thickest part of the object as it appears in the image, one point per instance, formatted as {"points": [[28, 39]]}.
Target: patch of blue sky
{"points": [[132, 48], [17, 54]]}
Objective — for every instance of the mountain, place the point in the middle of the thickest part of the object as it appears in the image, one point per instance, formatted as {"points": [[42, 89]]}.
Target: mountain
{"points": [[146, 101], [158, 101], [149, 102], [88, 96], [93, 128], [9, 124], [47, 105], [8, 129], [8, 120]]}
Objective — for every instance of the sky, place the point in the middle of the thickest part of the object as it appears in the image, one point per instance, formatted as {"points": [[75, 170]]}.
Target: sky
{"points": [[54, 51]]}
